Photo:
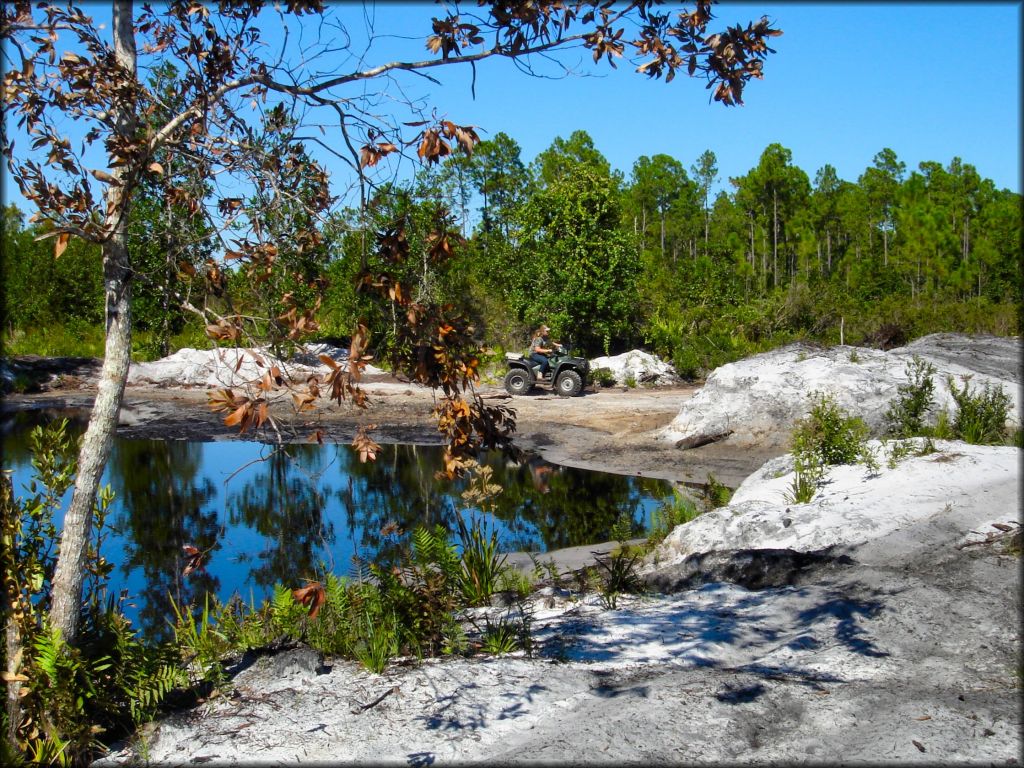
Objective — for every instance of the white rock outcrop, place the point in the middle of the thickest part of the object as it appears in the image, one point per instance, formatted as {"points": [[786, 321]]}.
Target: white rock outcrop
{"points": [[957, 487], [639, 366], [229, 367], [759, 399]]}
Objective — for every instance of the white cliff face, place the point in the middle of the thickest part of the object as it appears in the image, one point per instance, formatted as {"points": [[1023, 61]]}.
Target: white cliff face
{"points": [[759, 399]]}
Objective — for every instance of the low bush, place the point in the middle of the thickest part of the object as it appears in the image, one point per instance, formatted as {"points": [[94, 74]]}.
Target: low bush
{"points": [[981, 414], [827, 435], [905, 416]]}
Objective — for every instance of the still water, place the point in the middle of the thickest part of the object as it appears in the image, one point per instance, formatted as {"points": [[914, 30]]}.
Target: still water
{"points": [[271, 516]]}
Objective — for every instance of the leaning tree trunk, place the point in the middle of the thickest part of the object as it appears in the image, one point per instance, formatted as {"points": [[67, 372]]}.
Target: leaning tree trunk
{"points": [[69, 575], [99, 436]]}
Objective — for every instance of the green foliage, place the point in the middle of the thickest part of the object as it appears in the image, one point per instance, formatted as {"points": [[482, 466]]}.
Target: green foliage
{"points": [[71, 338], [482, 562], [619, 568], [71, 698], [807, 475], [500, 636], [827, 435], [981, 414], [718, 495], [898, 450], [905, 416], [41, 290], [669, 514], [603, 377]]}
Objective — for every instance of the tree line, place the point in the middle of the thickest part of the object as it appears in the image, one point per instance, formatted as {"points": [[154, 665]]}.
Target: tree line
{"points": [[609, 261]]}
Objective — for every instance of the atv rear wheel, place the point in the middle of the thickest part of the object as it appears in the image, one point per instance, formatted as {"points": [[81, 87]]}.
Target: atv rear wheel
{"points": [[569, 384], [518, 382]]}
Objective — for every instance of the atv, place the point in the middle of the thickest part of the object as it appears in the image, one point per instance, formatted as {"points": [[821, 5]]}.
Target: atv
{"points": [[566, 375]]}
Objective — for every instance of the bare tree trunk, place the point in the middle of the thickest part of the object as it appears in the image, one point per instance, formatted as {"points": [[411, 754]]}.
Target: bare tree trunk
{"points": [[663, 235], [13, 648], [69, 574], [99, 436], [11, 606], [775, 239]]}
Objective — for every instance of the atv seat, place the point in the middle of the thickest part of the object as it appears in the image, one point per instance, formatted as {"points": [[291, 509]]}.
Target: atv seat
{"points": [[518, 356]]}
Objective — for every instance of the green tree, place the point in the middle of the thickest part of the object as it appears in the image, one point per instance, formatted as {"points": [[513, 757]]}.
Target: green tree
{"points": [[705, 173], [659, 186], [781, 190], [170, 242], [578, 269], [40, 291], [880, 183], [501, 179], [566, 156]]}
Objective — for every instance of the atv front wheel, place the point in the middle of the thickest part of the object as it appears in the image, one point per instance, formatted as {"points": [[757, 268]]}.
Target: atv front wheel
{"points": [[569, 384], [518, 382]]}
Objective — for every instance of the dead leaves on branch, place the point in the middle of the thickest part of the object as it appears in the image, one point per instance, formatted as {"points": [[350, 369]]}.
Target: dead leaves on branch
{"points": [[242, 412], [225, 329], [365, 445], [728, 59], [312, 596], [469, 426], [343, 380], [432, 144], [433, 147]]}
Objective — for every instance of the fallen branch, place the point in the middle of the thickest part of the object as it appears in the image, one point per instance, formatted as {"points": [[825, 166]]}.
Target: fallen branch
{"points": [[359, 707], [696, 441]]}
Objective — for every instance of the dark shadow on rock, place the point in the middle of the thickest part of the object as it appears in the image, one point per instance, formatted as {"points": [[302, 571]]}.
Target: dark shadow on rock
{"points": [[848, 632], [741, 695], [750, 568], [420, 759]]}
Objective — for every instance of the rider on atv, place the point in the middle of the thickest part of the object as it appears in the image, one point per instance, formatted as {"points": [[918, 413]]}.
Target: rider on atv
{"points": [[541, 348]]}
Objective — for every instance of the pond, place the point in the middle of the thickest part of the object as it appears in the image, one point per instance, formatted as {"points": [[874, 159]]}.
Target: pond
{"points": [[269, 514]]}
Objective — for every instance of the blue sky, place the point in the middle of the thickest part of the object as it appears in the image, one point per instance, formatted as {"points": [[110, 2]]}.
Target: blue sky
{"points": [[931, 81]]}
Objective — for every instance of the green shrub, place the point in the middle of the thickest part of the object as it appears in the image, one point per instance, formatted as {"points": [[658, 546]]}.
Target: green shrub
{"points": [[807, 475], [905, 416], [827, 435], [603, 377], [981, 414], [70, 698]]}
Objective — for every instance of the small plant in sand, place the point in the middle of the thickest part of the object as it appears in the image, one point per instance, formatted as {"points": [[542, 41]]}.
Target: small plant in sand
{"points": [[603, 377], [619, 567]]}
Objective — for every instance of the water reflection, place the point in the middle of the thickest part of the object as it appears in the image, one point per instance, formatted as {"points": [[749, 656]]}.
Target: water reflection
{"points": [[269, 515], [163, 502]]}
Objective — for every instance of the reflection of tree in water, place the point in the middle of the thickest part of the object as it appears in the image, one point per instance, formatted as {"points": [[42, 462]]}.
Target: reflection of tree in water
{"points": [[283, 502], [542, 506], [399, 488], [568, 507], [161, 498]]}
